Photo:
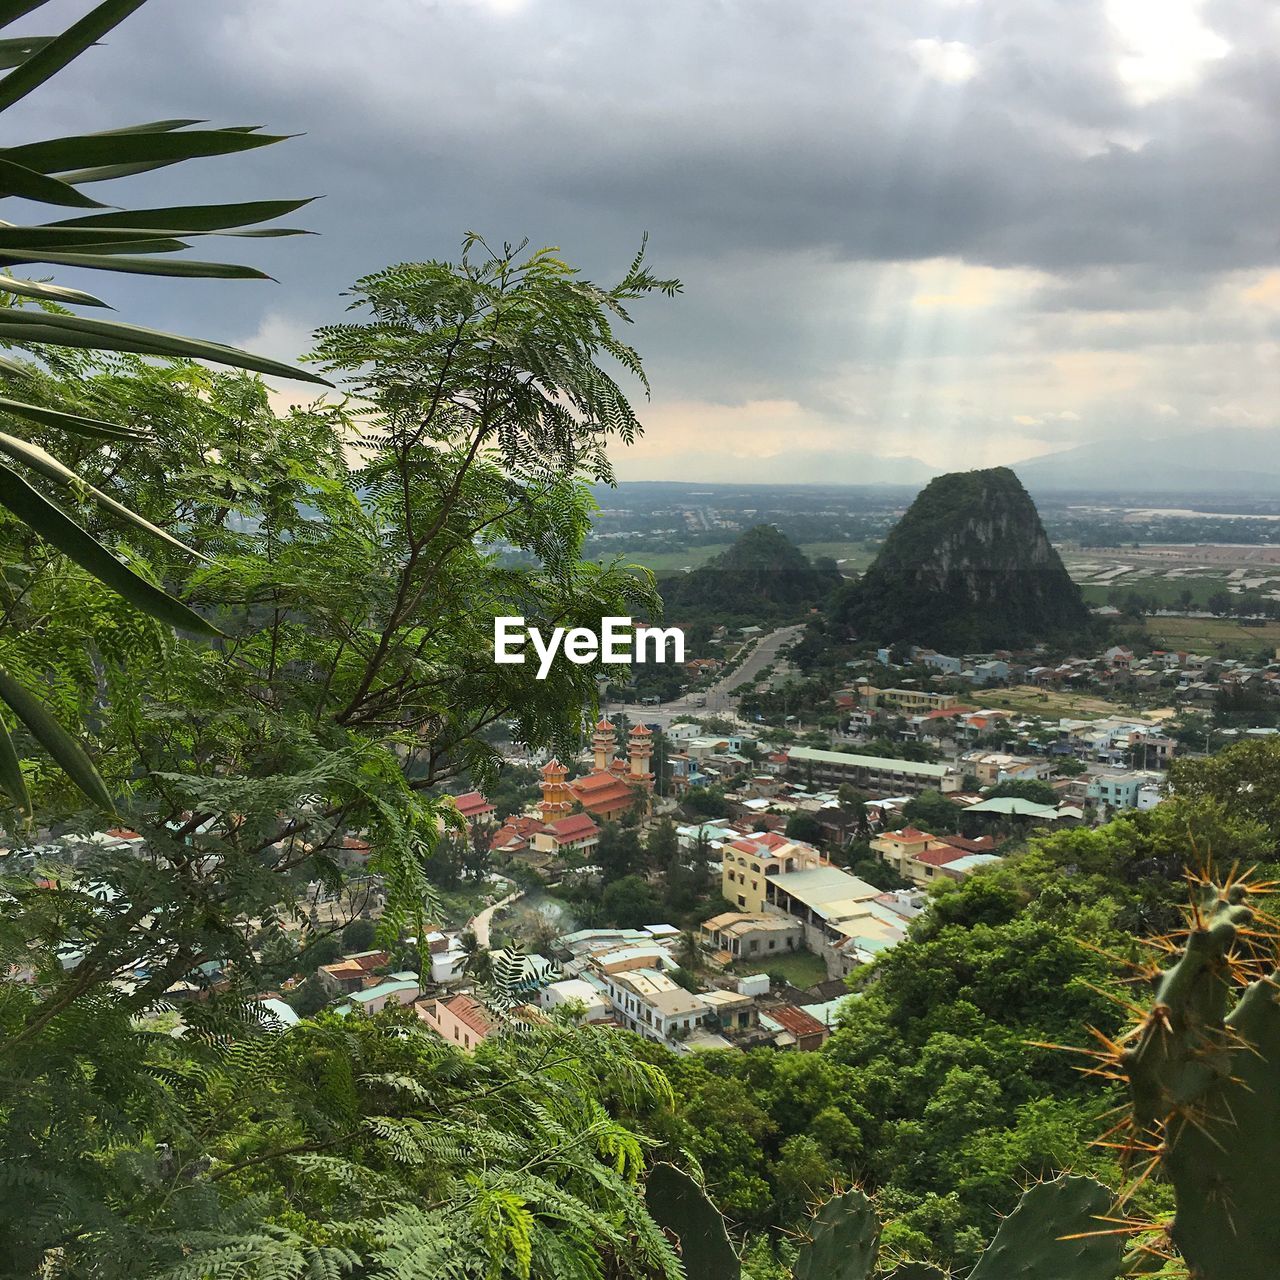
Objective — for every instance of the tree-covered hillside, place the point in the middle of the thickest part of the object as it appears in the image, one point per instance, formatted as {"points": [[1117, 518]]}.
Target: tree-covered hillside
{"points": [[763, 575], [968, 568]]}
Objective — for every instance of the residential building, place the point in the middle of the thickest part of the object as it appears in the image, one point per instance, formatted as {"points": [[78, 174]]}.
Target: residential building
{"points": [[880, 774], [923, 858], [460, 1019], [742, 935], [577, 991], [651, 1004], [993, 767], [913, 701], [747, 861], [1121, 790], [475, 809], [351, 971], [793, 1028], [733, 1010], [399, 989]]}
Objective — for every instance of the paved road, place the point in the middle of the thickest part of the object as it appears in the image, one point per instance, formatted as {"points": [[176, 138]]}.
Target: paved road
{"points": [[479, 925], [719, 699]]}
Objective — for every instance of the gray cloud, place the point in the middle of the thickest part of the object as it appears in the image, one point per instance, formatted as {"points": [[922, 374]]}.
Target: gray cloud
{"points": [[799, 165]]}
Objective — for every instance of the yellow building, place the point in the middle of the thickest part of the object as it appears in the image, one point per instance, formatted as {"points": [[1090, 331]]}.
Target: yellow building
{"points": [[899, 850], [745, 863], [912, 701]]}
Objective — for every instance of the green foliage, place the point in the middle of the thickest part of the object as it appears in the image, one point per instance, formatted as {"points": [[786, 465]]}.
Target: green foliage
{"points": [[969, 567], [762, 576], [931, 811], [804, 826], [1033, 789], [35, 317], [351, 563], [630, 903], [359, 935], [681, 1206]]}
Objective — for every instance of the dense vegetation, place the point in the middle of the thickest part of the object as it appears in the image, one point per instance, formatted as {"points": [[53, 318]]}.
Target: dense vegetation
{"points": [[762, 576], [968, 568]]}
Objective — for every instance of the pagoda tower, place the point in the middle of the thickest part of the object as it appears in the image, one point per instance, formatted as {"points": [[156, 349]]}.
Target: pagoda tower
{"points": [[557, 800], [639, 753], [603, 744]]}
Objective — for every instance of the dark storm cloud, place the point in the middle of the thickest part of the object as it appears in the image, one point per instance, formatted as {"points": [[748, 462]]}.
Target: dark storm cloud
{"points": [[767, 147]]}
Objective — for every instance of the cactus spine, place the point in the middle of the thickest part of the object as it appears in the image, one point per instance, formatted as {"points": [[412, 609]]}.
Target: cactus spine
{"points": [[1203, 1070], [842, 1240]]}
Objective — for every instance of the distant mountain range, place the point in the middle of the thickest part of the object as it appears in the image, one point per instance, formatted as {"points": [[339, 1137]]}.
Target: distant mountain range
{"points": [[1225, 461]]}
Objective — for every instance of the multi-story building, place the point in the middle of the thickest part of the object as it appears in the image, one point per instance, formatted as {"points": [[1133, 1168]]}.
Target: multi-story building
{"points": [[878, 774], [1123, 790], [908, 701], [747, 861], [653, 1005]]}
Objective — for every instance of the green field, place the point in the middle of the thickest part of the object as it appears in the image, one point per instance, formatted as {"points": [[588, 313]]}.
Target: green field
{"points": [[1164, 591], [800, 968], [853, 555], [1219, 636]]}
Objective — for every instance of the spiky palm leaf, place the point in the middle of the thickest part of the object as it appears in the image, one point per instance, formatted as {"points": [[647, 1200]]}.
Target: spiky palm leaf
{"points": [[53, 172]]}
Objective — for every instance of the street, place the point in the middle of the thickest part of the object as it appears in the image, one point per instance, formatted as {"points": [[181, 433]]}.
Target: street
{"points": [[720, 701]]}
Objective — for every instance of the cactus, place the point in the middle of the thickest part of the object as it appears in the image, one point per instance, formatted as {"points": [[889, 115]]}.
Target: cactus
{"points": [[1056, 1231], [1203, 1070], [842, 1240], [679, 1205]]}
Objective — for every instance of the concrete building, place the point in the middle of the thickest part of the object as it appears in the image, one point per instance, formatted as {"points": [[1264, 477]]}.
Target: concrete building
{"points": [[577, 991], [460, 1019], [1121, 790], [745, 935], [652, 1005], [744, 864], [908, 701], [880, 774]]}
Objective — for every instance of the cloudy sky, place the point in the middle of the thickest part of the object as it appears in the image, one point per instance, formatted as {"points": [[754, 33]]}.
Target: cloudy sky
{"points": [[965, 231]]}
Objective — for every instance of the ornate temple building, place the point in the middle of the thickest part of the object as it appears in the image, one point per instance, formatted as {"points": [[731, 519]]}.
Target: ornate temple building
{"points": [[613, 785]]}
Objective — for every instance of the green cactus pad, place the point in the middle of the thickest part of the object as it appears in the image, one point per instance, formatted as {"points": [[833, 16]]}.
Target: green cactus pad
{"points": [[1030, 1243], [842, 1241], [1223, 1166], [680, 1205], [916, 1271]]}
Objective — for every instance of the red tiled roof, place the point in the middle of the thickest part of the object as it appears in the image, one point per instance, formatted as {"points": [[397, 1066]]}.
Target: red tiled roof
{"points": [[983, 844], [471, 1012], [604, 725], [472, 804], [797, 1021], [910, 833], [578, 826], [594, 781], [940, 857], [641, 731], [123, 833]]}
